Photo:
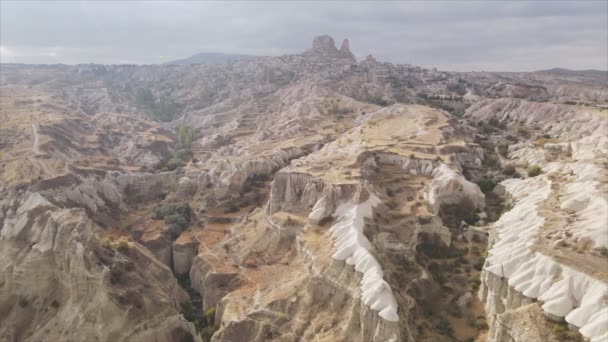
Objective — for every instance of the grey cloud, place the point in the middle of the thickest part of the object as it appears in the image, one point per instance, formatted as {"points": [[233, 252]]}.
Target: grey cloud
{"points": [[449, 35]]}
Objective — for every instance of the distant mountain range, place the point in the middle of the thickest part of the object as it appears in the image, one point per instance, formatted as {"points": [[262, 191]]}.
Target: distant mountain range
{"points": [[210, 58]]}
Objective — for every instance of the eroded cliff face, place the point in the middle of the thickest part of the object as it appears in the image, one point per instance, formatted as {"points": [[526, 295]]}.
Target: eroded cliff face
{"points": [[314, 198], [321, 259], [548, 253], [66, 284]]}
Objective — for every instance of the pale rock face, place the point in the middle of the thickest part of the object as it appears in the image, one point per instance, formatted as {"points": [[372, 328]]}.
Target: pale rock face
{"points": [[450, 187], [566, 122], [103, 197], [306, 280], [353, 248], [183, 255], [57, 254], [324, 43], [293, 189], [228, 177], [516, 256]]}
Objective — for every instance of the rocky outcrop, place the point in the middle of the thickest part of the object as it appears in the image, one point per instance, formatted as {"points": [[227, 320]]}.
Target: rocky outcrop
{"points": [[530, 260], [105, 194], [212, 284], [290, 190], [450, 187], [566, 122], [324, 49], [58, 272], [345, 50], [184, 253], [227, 178]]}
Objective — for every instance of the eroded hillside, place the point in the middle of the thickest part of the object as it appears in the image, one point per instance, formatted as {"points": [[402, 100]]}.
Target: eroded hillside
{"points": [[304, 197]]}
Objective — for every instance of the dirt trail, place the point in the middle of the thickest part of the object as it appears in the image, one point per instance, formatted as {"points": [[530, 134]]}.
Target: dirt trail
{"points": [[36, 144]]}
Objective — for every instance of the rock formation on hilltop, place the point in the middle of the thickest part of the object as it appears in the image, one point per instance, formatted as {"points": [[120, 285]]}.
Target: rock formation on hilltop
{"points": [[302, 197], [324, 47]]}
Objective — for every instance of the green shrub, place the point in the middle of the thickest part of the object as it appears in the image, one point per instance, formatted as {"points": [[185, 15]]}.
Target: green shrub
{"points": [[534, 171], [486, 185], [177, 216], [23, 302], [210, 314], [562, 333], [471, 218], [207, 332], [523, 131]]}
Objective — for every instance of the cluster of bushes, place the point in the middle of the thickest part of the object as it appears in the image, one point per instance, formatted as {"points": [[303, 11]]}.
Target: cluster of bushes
{"points": [[176, 216], [183, 149], [377, 100], [162, 109], [437, 102], [204, 322], [437, 250]]}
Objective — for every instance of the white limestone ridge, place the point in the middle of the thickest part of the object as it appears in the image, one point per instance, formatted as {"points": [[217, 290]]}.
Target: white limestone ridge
{"points": [[354, 248], [567, 293]]}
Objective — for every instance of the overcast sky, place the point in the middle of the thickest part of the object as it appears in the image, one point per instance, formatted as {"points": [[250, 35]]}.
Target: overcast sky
{"points": [[455, 35]]}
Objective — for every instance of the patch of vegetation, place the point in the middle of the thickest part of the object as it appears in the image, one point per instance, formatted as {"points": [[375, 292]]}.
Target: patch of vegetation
{"points": [[204, 322], [123, 245], [163, 109], [377, 100], [434, 248], [486, 185], [23, 302], [177, 216], [183, 151], [491, 160], [453, 214], [523, 131], [534, 171], [335, 108], [507, 207], [471, 218], [562, 333]]}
